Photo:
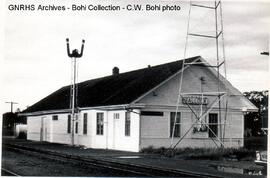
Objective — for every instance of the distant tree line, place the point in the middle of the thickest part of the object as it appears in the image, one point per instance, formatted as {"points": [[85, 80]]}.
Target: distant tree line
{"points": [[255, 121]]}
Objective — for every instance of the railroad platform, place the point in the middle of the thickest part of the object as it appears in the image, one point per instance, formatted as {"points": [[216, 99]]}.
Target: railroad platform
{"points": [[214, 168]]}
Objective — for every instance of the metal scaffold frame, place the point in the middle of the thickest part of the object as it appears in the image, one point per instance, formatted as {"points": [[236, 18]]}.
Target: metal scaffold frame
{"points": [[219, 137]]}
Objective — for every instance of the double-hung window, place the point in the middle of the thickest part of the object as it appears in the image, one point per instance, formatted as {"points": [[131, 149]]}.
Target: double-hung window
{"points": [[213, 125], [175, 124], [100, 123], [127, 124], [69, 124], [85, 123]]}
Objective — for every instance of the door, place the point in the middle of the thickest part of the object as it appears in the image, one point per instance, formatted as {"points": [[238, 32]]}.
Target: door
{"points": [[116, 131], [213, 125]]}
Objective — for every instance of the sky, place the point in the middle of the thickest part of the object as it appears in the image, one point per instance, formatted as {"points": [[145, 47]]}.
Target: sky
{"points": [[34, 62]]}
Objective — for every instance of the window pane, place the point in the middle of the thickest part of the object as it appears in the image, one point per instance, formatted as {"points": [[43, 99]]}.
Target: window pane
{"points": [[116, 115], [85, 123], [127, 124], [151, 113], [213, 121], [76, 128], [101, 129], [100, 123], [55, 118], [69, 124]]}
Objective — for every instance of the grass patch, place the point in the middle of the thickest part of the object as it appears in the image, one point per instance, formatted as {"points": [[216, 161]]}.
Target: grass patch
{"points": [[204, 153]]}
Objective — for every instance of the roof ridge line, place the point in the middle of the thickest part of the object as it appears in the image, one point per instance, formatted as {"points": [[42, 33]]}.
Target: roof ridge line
{"points": [[194, 57]]}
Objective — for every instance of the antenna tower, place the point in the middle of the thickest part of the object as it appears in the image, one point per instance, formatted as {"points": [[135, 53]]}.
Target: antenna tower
{"points": [[214, 125]]}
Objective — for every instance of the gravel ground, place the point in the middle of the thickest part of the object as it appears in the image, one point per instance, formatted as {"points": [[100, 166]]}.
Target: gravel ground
{"points": [[26, 165], [223, 168]]}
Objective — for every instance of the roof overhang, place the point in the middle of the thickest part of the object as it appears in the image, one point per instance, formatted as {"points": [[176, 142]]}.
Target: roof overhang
{"points": [[115, 107], [109, 107], [38, 113]]}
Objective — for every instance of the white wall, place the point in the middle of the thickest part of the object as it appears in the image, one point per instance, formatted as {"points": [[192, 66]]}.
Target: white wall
{"points": [[113, 130], [97, 141], [155, 130], [116, 137], [81, 138], [53, 130], [234, 130], [59, 129], [33, 128], [166, 95]]}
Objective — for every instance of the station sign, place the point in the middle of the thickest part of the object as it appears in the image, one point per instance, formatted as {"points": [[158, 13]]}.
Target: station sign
{"points": [[195, 100]]}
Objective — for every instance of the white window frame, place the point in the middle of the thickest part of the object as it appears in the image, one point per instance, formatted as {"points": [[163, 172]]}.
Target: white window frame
{"points": [[85, 123], [116, 116], [100, 127], [127, 124]]}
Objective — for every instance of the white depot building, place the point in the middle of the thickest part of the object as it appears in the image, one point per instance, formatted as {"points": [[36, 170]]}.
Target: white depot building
{"points": [[133, 110]]}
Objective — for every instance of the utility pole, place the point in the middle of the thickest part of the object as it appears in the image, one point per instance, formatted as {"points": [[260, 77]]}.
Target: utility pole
{"points": [[11, 110], [74, 55], [11, 105], [266, 54]]}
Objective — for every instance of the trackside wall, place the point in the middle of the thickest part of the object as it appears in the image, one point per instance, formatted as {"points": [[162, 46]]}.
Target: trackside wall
{"points": [[45, 128]]}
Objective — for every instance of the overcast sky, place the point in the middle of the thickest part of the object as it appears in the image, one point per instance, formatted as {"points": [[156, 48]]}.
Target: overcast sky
{"points": [[34, 62]]}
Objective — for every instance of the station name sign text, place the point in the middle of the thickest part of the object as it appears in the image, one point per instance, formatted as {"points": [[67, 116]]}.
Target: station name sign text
{"points": [[195, 100]]}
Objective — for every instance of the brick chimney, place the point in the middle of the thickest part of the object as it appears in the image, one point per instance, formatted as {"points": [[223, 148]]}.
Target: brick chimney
{"points": [[115, 71]]}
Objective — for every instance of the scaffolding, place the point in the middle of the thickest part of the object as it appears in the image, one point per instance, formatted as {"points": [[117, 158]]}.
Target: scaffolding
{"points": [[202, 108]]}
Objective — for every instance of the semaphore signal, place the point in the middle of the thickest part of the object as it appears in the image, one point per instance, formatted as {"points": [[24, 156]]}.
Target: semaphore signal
{"points": [[73, 94]]}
